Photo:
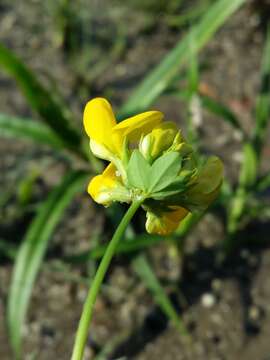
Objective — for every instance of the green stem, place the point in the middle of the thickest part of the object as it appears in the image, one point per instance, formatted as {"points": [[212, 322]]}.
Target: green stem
{"points": [[83, 329]]}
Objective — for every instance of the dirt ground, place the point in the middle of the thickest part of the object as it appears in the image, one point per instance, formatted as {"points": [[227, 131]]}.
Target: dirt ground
{"points": [[226, 308]]}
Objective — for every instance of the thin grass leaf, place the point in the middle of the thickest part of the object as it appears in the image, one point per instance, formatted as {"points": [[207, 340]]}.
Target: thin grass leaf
{"points": [[248, 173], [188, 223], [40, 99], [247, 179], [263, 100], [144, 271], [133, 244], [14, 127], [113, 342], [162, 75], [222, 111], [214, 106], [263, 183], [138, 243], [7, 249], [32, 251]]}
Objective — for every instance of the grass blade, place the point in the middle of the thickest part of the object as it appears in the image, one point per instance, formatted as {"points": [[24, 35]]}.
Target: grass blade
{"points": [[263, 183], [144, 271], [32, 251], [159, 79], [40, 98], [140, 242], [247, 179], [263, 101], [15, 127], [219, 109]]}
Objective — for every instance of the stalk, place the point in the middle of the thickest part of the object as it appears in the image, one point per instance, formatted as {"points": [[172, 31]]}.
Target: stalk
{"points": [[87, 313]]}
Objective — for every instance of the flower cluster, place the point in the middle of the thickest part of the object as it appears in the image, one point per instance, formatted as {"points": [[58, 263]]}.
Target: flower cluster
{"points": [[149, 161]]}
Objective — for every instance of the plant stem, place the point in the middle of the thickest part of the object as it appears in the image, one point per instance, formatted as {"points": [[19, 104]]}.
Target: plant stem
{"points": [[83, 329]]}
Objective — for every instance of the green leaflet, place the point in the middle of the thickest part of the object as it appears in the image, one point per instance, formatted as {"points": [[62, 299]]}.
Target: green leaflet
{"points": [[153, 179], [164, 171], [138, 171], [173, 188]]}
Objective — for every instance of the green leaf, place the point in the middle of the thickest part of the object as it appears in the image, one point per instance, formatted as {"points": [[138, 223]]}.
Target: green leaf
{"points": [[134, 244], [25, 188], [247, 179], [15, 127], [163, 74], [263, 183], [221, 110], [188, 223], [40, 99], [32, 251], [138, 171], [263, 100], [164, 171], [7, 249], [172, 189], [139, 242], [248, 172], [193, 76], [147, 275]]}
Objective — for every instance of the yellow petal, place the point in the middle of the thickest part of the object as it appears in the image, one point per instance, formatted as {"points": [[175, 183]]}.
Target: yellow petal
{"points": [[99, 120], [136, 126], [207, 185], [108, 187], [166, 222], [100, 186]]}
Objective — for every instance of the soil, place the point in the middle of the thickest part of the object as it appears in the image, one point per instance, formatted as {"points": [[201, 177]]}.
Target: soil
{"points": [[225, 306]]}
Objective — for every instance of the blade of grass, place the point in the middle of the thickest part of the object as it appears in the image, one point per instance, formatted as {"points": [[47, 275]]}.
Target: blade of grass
{"points": [[263, 183], [188, 15], [7, 249], [138, 243], [262, 111], [32, 251], [247, 179], [194, 115], [40, 99], [222, 111], [11, 126], [215, 107], [162, 75], [145, 272]]}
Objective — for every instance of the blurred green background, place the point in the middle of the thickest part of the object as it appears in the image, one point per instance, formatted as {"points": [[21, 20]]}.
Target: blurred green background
{"points": [[202, 293]]}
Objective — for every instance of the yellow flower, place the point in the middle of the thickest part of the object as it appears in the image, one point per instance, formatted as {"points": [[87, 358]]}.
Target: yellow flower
{"points": [[150, 161], [108, 187], [166, 222], [106, 136]]}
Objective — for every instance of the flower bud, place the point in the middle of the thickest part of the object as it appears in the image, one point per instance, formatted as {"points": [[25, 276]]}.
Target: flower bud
{"points": [[159, 140]]}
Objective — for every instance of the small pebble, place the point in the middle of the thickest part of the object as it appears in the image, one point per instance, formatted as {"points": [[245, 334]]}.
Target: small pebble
{"points": [[254, 313], [208, 300]]}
